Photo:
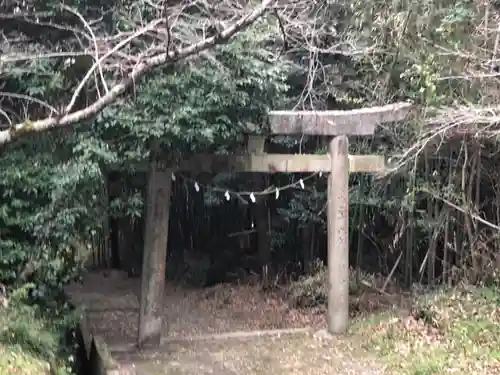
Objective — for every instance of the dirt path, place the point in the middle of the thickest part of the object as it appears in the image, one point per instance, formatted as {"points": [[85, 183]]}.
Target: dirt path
{"points": [[113, 308], [113, 302], [293, 354]]}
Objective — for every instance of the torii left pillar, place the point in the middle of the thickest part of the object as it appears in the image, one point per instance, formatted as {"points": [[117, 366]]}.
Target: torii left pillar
{"points": [[151, 321]]}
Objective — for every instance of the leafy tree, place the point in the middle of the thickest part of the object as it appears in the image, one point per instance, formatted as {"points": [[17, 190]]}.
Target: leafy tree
{"points": [[53, 184]]}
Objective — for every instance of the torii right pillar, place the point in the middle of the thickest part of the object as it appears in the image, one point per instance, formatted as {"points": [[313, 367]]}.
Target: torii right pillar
{"points": [[340, 124], [338, 236]]}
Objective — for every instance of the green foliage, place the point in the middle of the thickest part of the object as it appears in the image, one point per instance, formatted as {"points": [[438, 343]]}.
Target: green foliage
{"points": [[47, 212], [26, 330], [33, 337], [206, 103]]}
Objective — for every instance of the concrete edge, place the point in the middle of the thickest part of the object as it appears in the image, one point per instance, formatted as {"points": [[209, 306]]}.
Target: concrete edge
{"points": [[244, 335], [98, 359], [101, 361]]}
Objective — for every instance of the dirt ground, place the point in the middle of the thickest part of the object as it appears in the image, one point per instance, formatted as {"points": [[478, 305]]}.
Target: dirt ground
{"points": [[291, 354], [113, 306]]}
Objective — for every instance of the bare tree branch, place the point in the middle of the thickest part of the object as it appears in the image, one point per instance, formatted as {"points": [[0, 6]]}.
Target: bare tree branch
{"points": [[138, 69]]}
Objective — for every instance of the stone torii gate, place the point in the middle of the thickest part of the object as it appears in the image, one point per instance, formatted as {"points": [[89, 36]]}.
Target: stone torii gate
{"points": [[338, 163]]}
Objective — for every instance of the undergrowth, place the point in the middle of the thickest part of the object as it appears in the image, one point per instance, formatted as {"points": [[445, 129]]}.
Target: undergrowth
{"points": [[425, 332], [446, 331], [364, 289], [34, 341]]}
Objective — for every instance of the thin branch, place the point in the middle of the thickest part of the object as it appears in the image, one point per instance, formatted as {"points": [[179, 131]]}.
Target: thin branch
{"points": [[4, 114], [101, 59], [29, 99], [94, 41], [9, 58], [464, 211]]}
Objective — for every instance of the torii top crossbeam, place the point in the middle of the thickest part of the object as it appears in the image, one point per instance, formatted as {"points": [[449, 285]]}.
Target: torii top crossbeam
{"points": [[328, 123]]}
